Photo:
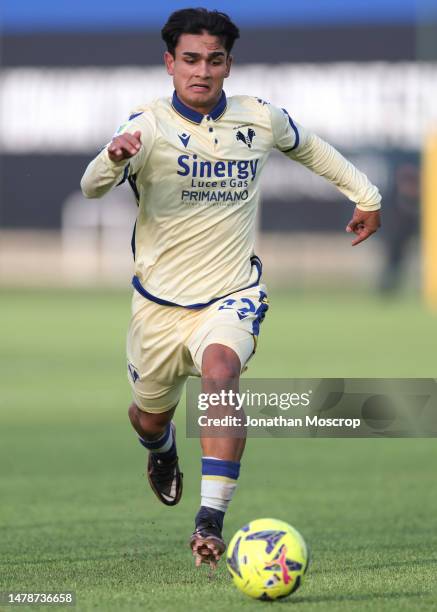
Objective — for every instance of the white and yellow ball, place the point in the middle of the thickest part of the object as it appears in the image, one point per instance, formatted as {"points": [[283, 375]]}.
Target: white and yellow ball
{"points": [[267, 559]]}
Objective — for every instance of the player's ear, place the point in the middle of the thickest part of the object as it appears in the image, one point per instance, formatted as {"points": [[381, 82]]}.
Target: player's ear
{"points": [[228, 65], [169, 62]]}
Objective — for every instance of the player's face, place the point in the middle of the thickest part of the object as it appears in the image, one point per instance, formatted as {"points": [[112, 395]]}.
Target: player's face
{"points": [[200, 65]]}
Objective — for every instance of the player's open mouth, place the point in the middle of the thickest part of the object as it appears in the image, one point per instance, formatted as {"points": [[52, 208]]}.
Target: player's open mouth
{"points": [[199, 87]]}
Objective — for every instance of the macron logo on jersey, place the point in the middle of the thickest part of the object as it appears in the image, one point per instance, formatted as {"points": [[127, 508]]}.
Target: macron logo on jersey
{"points": [[184, 138], [242, 169], [133, 372]]}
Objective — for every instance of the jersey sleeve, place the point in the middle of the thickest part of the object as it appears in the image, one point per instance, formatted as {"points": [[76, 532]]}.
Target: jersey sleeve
{"points": [[285, 132], [102, 173], [323, 159]]}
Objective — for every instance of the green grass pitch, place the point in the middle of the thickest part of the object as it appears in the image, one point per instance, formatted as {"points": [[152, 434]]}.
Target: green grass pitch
{"points": [[76, 512]]}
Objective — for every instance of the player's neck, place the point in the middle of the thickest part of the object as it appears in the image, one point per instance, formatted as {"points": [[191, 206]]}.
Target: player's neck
{"points": [[203, 110]]}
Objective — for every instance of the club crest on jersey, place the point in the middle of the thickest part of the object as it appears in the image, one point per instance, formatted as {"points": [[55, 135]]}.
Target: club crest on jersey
{"points": [[184, 138], [246, 138]]}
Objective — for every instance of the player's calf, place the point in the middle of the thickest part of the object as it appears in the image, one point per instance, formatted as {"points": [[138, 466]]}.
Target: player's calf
{"points": [[221, 369]]}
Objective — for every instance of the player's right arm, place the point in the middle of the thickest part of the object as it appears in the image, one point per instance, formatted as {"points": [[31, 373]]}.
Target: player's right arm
{"points": [[124, 146], [129, 149]]}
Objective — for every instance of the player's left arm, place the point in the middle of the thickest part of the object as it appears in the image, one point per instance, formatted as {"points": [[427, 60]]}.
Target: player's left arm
{"points": [[323, 159]]}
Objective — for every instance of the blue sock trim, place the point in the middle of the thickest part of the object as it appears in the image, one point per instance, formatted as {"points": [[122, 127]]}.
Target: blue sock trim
{"points": [[220, 467], [168, 455], [153, 444]]}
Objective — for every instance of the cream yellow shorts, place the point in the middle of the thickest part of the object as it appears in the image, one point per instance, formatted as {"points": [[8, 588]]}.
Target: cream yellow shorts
{"points": [[165, 344]]}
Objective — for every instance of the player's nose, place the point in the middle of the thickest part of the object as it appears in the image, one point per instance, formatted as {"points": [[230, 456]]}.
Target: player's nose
{"points": [[203, 70]]}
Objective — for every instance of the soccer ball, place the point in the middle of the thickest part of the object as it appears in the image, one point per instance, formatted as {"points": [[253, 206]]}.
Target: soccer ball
{"points": [[267, 559]]}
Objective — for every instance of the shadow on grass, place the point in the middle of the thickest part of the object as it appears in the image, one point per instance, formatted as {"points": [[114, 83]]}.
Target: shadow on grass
{"points": [[339, 598], [382, 547], [68, 523], [381, 566], [377, 566], [123, 557]]}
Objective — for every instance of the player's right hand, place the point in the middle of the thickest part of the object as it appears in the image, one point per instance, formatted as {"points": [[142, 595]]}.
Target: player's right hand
{"points": [[124, 146]]}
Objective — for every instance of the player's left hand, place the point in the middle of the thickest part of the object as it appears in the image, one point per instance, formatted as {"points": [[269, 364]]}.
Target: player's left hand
{"points": [[363, 224]]}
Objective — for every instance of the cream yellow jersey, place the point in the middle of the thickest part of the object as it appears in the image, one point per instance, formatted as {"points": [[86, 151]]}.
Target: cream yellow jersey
{"points": [[197, 183]]}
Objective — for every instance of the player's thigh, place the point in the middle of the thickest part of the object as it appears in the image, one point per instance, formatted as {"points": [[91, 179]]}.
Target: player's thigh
{"points": [[157, 396], [156, 357], [240, 342], [233, 322]]}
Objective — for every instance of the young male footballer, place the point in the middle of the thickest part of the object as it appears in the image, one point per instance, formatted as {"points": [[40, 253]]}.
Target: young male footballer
{"points": [[194, 162]]}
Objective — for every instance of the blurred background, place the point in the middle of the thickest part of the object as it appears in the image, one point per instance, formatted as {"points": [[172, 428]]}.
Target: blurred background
{"points": [[362, 74]]}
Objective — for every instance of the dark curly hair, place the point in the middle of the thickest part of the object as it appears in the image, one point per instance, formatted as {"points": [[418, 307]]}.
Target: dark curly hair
{"points": [[196, 21]]}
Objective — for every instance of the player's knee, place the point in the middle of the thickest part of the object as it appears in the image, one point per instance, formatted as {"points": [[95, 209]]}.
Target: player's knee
{"points": [[222, 371], [220, 365]]}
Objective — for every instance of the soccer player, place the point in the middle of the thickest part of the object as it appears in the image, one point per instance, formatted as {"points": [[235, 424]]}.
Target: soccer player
{"points": [[194, 162]]}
